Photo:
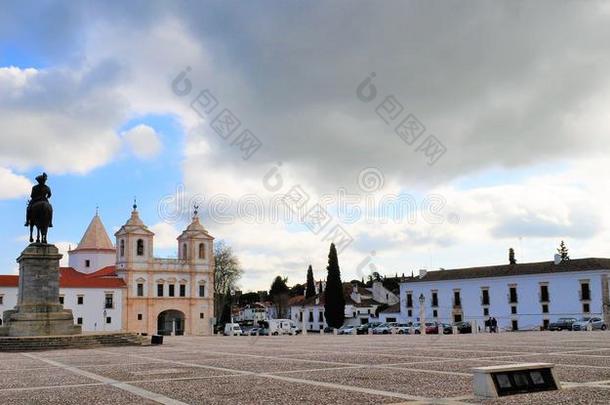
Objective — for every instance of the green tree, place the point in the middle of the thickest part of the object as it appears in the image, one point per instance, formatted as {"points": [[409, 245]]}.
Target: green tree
{"points": [[227, 272], [297, 290], [563, 251], [334, 307], [279, 293], [311, 285]]}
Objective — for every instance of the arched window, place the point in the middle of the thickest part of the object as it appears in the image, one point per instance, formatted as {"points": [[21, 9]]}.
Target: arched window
{"points": [[140, 247], [122, 248], [184, 252], [201, 251]]}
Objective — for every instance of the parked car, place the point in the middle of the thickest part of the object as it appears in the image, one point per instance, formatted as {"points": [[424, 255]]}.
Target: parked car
{"points": [[562, 324], [463, 327], [254, 331], [232, 329], [346, 330], [329, 329], [432, 328], [447, 328], [595, 322], [384, 328], [401, 328], [364, 328], [279, 326]]}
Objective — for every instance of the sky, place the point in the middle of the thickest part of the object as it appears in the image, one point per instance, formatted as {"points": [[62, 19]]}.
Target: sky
{"points": [[413, 134]]}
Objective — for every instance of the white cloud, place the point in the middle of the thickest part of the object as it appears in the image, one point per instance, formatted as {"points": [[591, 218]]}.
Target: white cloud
{"points": [[13, 185], [165, 235], [143, 141], [64, 247]]}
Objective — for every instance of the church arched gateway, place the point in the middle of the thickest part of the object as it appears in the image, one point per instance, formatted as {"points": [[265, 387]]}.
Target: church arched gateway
{"points": [[171, 322]]}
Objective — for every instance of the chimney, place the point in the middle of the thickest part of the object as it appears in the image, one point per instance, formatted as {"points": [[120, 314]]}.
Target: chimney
{"points": [[557, 258], [422, 273]]}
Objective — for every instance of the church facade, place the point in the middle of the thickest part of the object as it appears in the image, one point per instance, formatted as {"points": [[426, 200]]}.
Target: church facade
{"points": [[123, 287]]}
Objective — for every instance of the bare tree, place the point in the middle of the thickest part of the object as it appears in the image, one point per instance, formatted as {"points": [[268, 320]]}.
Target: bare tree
{"points": [[227, 272]]}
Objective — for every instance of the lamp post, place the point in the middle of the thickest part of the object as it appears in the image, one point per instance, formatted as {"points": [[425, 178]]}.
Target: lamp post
{"points": [[422, 314], [104, 320]]}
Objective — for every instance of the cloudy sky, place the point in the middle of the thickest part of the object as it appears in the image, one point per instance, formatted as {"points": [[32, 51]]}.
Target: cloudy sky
{"points": [[430, 133]]}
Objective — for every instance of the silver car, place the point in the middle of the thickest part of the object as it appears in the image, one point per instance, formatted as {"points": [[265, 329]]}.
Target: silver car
{"points": [[595, 322]]}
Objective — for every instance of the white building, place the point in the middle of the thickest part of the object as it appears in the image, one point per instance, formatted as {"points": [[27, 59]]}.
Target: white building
{"points": [[89, 287], [360, 306], [520, 296], [127, 288]]}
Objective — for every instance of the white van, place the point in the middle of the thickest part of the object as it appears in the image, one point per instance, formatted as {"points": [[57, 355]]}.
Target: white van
{"points": [[232, 329], [279, 327]]}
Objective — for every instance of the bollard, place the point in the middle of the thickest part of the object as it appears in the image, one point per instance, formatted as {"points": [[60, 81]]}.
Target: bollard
{"points": [[370, 331], [474, 327], [455, 330], [335, 331], [354, 331], [589, 328]]}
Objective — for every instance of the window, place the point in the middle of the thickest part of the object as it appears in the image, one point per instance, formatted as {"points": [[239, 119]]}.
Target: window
{"points": [[0, 321], [184, 252], [159, 290], [87, 263], [201, 315], [544, 293], [512, 295], [434, 299], [2, 300], [310, 316], [171, 291], [545, 324], [140, 247], [139, 317], [586, 308], [457, 318], [61, 299], [182, 290], [409, 300], [485, 311], [202, 290], [122, 248], [321, 317], [513, 309], [435, 313], [515, 324], [201, 251], [108, 319], [545, 308], [140, 290], [80, 299], [485, 297], [79, 321], [585, 292], [457, 301], [409, 313], [109, 303]]}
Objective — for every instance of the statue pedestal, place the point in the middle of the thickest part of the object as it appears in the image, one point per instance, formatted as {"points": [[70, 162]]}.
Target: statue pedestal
{"points": [[38, 311]]}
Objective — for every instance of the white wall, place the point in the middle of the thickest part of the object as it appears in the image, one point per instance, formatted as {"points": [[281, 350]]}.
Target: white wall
{"points": [[564, 299], [97, 260], [92, 309]]}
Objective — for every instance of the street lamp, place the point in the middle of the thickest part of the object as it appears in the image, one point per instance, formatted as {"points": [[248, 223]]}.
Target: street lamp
{"points": [[422, 314]]}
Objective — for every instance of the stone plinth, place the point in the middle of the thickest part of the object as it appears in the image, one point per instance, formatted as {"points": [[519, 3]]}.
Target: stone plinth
{"points": [[38, 311]]}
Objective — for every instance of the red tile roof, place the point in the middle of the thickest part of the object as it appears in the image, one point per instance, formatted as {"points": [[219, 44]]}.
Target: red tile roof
{"points": [[70, 278], [9, 281]]}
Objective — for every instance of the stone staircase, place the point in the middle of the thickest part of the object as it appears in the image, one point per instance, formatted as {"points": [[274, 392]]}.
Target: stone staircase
{"points": [[85, 341]]}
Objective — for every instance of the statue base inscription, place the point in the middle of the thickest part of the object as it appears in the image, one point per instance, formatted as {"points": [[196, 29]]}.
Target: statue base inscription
{"points": [[38, 311]]}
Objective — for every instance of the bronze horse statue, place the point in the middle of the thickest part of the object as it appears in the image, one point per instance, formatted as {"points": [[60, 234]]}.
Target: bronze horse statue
{"points": [[40, 211]]}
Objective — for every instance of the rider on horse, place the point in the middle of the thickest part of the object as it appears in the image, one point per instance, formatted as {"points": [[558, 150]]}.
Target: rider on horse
{"points": [[40, 192]]}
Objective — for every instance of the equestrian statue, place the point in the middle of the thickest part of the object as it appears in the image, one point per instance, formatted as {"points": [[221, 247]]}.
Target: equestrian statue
{"points": [[40, 212]]}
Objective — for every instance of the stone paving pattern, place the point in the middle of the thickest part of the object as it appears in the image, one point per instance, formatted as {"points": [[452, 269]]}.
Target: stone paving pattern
{"points": [[305, 369]]}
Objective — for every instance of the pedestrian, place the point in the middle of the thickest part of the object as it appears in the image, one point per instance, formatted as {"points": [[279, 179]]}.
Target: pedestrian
{"points": [[494, 325]]}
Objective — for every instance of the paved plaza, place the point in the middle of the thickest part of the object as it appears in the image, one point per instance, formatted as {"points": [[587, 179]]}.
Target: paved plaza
{"points": [[305, 369]]}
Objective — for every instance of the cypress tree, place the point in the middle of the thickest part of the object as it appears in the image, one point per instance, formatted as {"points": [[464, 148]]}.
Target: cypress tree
{"points": [[511, 256], [311, 286], [563, 251], [334, 306]]}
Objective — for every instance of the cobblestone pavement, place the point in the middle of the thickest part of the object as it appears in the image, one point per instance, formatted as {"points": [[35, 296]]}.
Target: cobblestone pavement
{"points": [[305, 369]]}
